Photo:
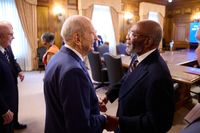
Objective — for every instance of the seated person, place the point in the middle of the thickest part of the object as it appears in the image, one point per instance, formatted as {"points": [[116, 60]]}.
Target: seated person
{"points": [[103, 49], [48, 39], [97, 43]]}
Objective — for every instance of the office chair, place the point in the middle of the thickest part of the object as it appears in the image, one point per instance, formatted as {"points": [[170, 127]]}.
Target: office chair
{"points": [[99, 73], [114, 67], [121, 49], [103, 49], [40, 52]]}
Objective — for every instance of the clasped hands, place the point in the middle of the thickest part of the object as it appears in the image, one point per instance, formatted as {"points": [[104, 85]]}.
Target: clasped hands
{"points": [[112, 121]]}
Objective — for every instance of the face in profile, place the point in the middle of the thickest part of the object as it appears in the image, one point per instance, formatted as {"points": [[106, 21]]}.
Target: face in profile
{"points": [[88, 39], [128, 44], [137, 40], [7, 37]]}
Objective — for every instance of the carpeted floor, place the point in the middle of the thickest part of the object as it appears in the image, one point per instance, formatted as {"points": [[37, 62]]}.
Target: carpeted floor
{"points": [[32, 106]]}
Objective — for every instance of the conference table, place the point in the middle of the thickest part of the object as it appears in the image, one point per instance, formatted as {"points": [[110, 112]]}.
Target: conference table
{"points": [[185, 75]]}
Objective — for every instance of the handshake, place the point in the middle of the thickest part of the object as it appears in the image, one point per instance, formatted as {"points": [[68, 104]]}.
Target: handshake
{"points": [[112, 121]]}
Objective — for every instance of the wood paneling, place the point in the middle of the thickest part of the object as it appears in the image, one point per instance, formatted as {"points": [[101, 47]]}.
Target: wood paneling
{"points": [[42, 21]]}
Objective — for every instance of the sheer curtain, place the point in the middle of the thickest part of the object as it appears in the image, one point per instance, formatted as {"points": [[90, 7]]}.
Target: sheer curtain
{"points": [[19, 45], [102, 21]]}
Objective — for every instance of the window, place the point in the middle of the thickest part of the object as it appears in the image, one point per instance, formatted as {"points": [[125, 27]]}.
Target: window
{"points": [[102, 21], [19, 45]]}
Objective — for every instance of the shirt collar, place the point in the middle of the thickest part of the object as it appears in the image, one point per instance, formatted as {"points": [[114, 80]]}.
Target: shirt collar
{"points": [[2, 49], [143, 56], [76, 52]]}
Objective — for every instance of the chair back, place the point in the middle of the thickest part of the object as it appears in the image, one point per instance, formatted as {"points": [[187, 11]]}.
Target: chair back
{"points": [[114, 68], [40, 52], [121, 48], [103, 49], [95, 66]]}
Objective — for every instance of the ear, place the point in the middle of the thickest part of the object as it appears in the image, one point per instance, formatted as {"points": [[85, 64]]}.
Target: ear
{"points": [[76, 39]]}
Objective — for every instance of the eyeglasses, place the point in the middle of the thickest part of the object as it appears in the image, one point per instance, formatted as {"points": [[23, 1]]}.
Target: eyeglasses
{"points": [[136, 35], [10, 34]]}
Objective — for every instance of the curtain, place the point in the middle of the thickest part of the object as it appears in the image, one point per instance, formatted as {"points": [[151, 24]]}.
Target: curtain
{"points": [[19, 45], [27, 14], [88, 12], [115, 21]]}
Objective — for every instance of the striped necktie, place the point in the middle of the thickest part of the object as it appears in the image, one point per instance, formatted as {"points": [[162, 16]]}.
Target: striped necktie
{"points": [[133, 64], [6, 55]]}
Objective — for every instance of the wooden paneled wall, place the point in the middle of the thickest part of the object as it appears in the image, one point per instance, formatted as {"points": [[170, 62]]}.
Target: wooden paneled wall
{"points": [[178, 19], [176, 23], [48, 22]]}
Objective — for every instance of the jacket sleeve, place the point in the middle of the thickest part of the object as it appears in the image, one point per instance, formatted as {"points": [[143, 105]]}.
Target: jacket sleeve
{"points": [[79, 103], [159, 107]]}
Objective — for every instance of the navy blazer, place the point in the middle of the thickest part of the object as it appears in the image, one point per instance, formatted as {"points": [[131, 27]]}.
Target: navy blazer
{"points": [[71, 101], [146, 98], [8, 87]]}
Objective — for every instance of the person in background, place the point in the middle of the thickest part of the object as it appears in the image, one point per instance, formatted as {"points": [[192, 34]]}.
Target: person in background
{"points": [[146, 93], [71, 102], [198, 48], [97, 43], [48, 39], [9, 71], [18, 73]]}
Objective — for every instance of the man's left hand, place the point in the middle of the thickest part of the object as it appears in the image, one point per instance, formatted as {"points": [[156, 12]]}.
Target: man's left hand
{"points": [[21, 75]]}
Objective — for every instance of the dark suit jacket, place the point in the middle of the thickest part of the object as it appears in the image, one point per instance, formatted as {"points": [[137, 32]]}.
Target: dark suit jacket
{"points": [[71, 102], [146, 98], [15, 66], [8, 86]]}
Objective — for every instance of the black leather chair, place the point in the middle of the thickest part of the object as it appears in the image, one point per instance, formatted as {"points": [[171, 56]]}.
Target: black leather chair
{"points": [[40, 52], [99, 73], [121, 48], [114, 67]]}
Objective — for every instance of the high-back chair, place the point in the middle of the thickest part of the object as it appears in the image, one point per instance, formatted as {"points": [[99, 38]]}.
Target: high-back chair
{"points": [[103, 49], [114, 67], [40, 52], [99, 73], [121, 48]]}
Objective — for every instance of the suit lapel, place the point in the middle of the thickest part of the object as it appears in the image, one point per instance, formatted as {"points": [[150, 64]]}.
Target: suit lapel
{"points": [[138, 74], [132, 80]]}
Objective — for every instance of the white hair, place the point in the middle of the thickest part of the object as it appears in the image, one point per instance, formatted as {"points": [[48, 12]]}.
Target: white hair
{"points": [[75, 24]]}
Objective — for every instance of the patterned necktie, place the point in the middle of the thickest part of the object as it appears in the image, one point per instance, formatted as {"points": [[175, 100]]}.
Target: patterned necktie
{"points": [[6, 55], [133, 64]]}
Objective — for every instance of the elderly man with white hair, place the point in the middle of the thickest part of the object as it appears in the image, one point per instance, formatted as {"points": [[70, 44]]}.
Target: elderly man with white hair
{"points": [[71, 102]]}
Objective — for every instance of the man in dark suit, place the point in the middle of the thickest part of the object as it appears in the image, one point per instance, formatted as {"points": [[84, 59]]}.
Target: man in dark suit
{"points": [[8, 83], [146, 95], [17, 71], [71, 103]]}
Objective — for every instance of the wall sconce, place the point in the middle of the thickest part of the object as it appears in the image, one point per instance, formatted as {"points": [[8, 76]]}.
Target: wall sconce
{"points": [[58, 11], [129, 17], [196, 17], [169, 1]]}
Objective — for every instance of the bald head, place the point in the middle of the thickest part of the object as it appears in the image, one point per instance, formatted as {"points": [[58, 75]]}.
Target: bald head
{"points": [[6, 33], [5, 26], [152, 29]]}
